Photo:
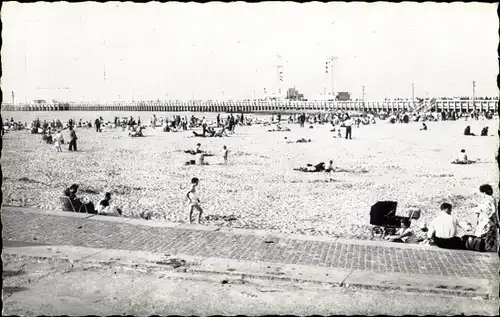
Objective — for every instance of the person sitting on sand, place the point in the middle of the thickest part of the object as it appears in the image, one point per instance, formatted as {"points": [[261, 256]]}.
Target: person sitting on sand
{"points": [[484, 131], [443, 229], [210, 131], [463, 159], [106, 208], [424, 127], [194, 201], [200, 159], [330, 167], [467, 131], [222, 132], [137, 132], [77, 203], [404, 234]]}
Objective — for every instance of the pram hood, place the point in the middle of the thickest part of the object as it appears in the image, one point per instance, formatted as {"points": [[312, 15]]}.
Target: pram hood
{"points": [[382, 212]]}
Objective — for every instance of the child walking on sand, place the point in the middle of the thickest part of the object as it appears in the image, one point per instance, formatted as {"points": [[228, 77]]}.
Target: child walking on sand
{"points": [[58, 141], [226, 152], [194, 201]]}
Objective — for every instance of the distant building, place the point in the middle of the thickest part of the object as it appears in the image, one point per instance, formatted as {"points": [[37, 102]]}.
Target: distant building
{"points": [[39, 101], [343, 96], [293, 94]]}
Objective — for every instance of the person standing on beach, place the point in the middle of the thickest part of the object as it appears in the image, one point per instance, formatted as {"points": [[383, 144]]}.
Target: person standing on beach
{"points": [[232, 122], [97, 124], [58, 141], [348, 128], [226, 152], [218, 120], [154, 121], [72, 135], [204, 125], [194, 201]]}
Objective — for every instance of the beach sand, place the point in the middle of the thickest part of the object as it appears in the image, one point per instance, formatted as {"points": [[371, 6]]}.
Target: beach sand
{"points": [[258, 186]]}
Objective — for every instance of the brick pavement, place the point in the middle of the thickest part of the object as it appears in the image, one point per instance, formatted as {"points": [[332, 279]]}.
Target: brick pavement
{"points": [[24, 225]]}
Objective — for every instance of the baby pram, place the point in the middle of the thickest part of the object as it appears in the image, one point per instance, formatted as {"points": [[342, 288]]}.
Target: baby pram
{"points": [[383, 218]]}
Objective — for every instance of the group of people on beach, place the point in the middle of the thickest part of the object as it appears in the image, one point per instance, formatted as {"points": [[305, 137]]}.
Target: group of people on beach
{"points": [[75, 204], [201, 154], [482, 230]]}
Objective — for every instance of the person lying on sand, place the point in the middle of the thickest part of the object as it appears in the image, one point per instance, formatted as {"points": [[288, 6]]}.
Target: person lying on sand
{"points": [[210, 132], [279, 128], [301, 140], [320, 167], [462, 158], [195, 151], [424, 127]]}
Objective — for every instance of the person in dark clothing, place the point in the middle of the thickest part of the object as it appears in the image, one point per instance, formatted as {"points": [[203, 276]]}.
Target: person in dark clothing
{"points": [[70, 123], [232, 123], [484, 131], [97, 125], [218, 120], [76, 202], [467, 131], [73, 138], [424, 126], [320, 167]]}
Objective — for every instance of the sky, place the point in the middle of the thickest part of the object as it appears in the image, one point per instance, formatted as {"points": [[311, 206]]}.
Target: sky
{"points": [[126, 51]]}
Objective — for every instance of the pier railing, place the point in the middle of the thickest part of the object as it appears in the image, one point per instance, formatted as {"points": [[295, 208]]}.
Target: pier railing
{"points": [[264, 106]]}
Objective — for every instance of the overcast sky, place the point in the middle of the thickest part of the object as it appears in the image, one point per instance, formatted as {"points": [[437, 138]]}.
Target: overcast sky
{"points": [[61, 50]]}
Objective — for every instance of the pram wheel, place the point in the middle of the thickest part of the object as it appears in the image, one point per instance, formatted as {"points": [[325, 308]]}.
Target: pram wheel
{"points": [[378, 232]]}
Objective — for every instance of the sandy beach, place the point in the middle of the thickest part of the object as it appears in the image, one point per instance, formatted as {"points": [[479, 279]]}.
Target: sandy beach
{"points": [[258, 186]]}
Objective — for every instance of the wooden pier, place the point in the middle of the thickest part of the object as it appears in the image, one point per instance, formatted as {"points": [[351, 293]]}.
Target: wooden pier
{"points": [[265, 106]]}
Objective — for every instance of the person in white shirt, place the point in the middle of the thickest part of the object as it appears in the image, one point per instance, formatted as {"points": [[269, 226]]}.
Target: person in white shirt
{"points": [[463, 159], [348, 128], [58, 141], [204, 125], [443, 229]]}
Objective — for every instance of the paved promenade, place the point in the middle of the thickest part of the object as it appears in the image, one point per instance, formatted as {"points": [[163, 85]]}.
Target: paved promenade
{"points": [[70, 229]]}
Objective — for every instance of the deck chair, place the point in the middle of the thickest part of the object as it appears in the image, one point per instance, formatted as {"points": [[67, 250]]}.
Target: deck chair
{"points": [[67, 205]]}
